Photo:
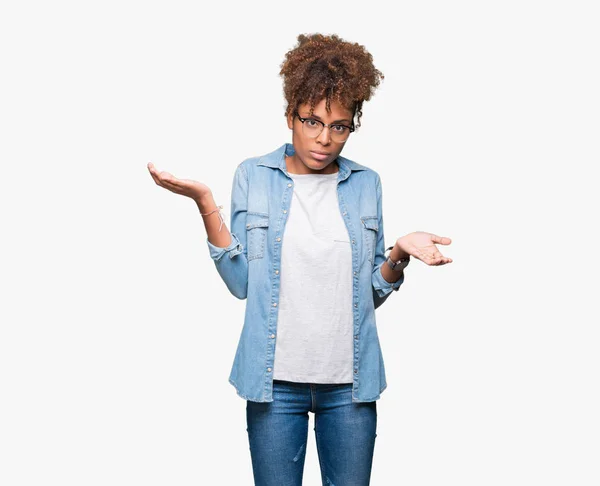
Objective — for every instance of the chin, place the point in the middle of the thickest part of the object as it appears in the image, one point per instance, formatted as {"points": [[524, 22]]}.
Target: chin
{"points": [[318, 165]]}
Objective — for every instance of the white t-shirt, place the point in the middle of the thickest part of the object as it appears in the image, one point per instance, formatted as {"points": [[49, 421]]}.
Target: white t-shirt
{"points": [[314, 328]]}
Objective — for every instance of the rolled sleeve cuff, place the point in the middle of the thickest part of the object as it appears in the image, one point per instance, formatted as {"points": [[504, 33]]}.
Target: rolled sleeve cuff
{"points": [[234, 248], [382, 286]]}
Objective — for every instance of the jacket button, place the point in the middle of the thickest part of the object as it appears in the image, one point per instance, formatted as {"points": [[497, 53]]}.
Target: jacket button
{"points": [[290, 184], [276, 272], [353, 242], [272, 336], [285, 210], [274, 304], [354, 273], [279, 239], [355, 305], [344, 213], [268, 369], [356, 336], [355, 370]]}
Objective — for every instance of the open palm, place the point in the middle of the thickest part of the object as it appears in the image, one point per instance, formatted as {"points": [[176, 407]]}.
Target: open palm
{"points": [[421, 245], [187, 187]]}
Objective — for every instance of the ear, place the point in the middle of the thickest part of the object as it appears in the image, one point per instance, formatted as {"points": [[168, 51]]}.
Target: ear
{"points": [[290, 120]]}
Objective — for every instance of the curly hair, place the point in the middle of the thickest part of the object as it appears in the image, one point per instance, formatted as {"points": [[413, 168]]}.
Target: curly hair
{"points": [[328, 67]]}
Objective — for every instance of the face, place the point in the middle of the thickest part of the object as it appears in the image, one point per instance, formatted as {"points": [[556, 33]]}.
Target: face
{"points": [[306, 159]]}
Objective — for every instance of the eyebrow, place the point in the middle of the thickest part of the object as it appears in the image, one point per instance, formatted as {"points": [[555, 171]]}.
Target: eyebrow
{"points": [[319, 118]]}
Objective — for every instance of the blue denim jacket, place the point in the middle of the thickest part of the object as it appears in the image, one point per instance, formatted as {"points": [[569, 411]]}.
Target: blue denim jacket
{"points": [[250, 267]]}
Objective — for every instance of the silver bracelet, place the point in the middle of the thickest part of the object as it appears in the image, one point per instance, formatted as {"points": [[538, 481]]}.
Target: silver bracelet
{"points": [[400, 264]]}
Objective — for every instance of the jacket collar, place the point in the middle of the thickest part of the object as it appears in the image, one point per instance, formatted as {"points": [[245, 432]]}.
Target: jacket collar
{"points": [[276, 160]]}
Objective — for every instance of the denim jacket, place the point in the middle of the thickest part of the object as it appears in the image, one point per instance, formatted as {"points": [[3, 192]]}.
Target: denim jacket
{"points": [[250, 267]]}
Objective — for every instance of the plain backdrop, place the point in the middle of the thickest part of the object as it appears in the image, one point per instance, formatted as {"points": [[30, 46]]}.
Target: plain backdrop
{"points": [[117, 334]]}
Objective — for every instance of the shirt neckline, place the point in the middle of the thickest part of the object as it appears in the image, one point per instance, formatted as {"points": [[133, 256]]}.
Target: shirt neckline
{"points": [[332, 175]]}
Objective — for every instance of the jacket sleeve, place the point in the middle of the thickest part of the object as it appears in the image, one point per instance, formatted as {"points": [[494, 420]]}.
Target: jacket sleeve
{"points": [[232, 261], [381, 287]]}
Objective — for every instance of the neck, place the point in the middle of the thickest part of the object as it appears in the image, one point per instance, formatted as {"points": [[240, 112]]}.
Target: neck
{"points": [[293, 164]]}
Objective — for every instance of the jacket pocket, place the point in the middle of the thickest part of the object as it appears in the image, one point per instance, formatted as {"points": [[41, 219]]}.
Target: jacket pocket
{"points": [[257, 226], [370, 229]]}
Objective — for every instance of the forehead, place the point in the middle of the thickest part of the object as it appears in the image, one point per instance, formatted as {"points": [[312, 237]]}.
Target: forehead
{"points": [[337, 110]]}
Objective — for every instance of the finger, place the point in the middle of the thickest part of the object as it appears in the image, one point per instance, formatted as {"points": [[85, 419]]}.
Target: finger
{"points": [[154, 175], [168, 179], [424, 257], [152, 168], [172, 185], [443, 260], [441, 257], [181, 183], [435, 259], [161, 181], [438, 261], [154, 172], [165, 180], [166, 176], [442, 240]]}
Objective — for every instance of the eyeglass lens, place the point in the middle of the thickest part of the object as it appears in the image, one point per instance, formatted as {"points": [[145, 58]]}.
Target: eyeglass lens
{"points": [[313, 128]]}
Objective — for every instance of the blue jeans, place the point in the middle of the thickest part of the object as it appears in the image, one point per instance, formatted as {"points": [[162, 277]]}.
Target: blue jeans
{"points": [[345, 434]]}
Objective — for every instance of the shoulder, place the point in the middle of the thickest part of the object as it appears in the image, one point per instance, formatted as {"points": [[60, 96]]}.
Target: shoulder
{"points": [[249, 163], [247, 167], [272, 159]]}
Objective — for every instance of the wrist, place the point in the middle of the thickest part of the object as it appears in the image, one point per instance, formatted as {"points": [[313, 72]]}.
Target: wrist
{"points": [[398, 253], [206, 203]]}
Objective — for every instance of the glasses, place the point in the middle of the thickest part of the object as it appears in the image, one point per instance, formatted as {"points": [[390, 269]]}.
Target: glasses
{"points": [[312, 128]]}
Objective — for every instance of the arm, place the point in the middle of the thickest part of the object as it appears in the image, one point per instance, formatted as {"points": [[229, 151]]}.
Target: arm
{"points": [[228, 250], [384, 279]]}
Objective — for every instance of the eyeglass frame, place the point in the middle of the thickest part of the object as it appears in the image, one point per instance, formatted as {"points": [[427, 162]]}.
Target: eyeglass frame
{"points": [[328, 125]]}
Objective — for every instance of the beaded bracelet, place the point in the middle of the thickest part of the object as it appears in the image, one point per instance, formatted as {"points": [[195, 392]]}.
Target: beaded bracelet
{"points": [[219, 208]]}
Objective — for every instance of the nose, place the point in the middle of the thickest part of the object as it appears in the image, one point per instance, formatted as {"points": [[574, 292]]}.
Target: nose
{"points": [[324, 137]]}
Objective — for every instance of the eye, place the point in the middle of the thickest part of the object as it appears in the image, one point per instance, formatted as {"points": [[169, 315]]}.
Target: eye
{"points": [[311, 123], [339, 128]]}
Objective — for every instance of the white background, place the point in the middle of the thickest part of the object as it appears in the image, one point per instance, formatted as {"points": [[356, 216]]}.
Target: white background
{"points": [[118, 335]]}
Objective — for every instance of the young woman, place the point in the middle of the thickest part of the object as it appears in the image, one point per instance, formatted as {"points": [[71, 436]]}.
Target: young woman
{"points": [[306, 249]]}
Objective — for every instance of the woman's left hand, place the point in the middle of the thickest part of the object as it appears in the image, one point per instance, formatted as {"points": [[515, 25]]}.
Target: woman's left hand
{"points": [[421, 245]]}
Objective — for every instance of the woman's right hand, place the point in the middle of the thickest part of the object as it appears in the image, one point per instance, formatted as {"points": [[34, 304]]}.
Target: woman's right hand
{"points": [[186, 187]]}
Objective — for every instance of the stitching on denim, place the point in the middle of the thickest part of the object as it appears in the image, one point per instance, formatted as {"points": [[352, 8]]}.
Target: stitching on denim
{"points": [[242, 395], [372, 399], [243, 171], [256, 236], [370, 237]]}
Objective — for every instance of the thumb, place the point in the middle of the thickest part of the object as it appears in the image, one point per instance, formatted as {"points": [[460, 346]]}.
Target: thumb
{"points": [[442, 240]]}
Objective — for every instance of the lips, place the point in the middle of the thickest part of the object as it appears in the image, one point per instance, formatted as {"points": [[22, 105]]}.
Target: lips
{"points": [[318, 155]]}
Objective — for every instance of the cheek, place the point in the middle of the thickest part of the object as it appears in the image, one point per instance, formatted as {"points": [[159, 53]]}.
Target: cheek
{"points": [[298, 139]]}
